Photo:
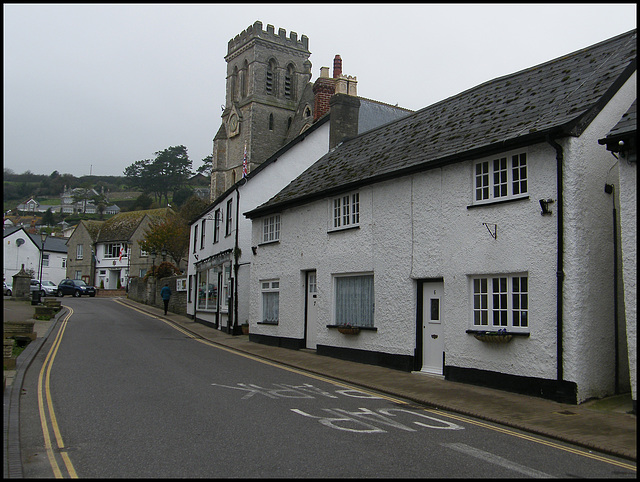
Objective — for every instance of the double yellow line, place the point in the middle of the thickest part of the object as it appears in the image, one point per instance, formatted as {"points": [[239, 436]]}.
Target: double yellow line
{"points": [[44, 398]]}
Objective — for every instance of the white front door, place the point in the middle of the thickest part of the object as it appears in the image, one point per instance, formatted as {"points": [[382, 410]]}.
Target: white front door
{"points": [[432, 330], [312, 309]]}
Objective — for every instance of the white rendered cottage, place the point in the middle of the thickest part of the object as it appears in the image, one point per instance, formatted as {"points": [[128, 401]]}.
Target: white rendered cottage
{"points": [[472, 239]]}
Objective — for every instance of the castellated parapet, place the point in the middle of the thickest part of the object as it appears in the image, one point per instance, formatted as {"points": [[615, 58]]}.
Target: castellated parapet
{"points": [[255, 31]]}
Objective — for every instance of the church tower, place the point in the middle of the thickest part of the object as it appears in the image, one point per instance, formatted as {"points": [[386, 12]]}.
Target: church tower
{"points": [[267, 73]]}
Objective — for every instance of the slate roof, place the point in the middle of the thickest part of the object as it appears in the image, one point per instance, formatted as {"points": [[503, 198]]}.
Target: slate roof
{"points": [[54, 244], [122, 226], [559, 97], [373, 114], [625, 127]]}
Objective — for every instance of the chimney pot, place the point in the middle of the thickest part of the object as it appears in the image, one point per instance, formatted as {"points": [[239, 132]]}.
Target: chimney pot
{"points": [[337, 66]]}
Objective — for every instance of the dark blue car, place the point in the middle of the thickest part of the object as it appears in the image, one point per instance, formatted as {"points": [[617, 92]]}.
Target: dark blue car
{"points": [[75, 287]]}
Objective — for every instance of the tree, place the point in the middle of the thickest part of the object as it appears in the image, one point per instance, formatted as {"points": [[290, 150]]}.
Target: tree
{"points": [[171, 234], [206, 167], [181, 195], [192, 208], [166, 173], [48, 218], [142, 202]]}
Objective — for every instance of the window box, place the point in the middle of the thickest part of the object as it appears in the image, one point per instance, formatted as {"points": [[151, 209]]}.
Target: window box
{"points": [[500, 336], [349, 330], [493, 337], [346, 329]]}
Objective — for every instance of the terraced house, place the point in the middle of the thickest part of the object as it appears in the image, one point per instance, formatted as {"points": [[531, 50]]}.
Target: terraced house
{"points": [[106, 253], [471, 240]]}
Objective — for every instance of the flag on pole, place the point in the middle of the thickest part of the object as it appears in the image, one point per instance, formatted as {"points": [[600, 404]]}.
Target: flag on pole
{"points": [[244, 162], [121, 253]]}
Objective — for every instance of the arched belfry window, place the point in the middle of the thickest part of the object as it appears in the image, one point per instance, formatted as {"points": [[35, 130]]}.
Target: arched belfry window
{"points": [[234, 84], [271, 81], [289, 91], [270, 122], [245, 79]]}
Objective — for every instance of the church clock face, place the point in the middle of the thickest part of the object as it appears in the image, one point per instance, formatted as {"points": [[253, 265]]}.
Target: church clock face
{"points": [[233, 124]]}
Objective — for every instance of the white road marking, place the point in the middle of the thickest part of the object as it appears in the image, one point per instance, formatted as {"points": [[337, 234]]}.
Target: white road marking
{"points": [[497, 460]]}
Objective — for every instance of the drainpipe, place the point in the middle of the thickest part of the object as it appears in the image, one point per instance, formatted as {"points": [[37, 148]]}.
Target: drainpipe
{"points": [[609, 189], [236, 265], [560, 262]]}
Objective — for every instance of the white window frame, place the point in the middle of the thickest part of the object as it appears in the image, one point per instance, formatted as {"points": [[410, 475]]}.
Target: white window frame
{"points": [[195, 237], [497, 306], [501, 178], [79, 251], [344, 212], [229, 221], [269, 288], [217, 218], [340, 318], [271, 229], [112, 250]]}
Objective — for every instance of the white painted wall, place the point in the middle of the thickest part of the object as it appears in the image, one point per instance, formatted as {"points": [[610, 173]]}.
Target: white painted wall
{"points": [[259, 189], [628, 196], [589, 345], [420, 227], [29, 255]]}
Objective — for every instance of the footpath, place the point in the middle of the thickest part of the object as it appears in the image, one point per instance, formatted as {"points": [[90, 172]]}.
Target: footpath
{"points": [[605, 426]]}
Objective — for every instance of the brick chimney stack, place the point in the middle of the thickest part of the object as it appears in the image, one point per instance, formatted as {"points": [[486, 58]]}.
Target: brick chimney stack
{"points": [[323, 89], [337, 66]]}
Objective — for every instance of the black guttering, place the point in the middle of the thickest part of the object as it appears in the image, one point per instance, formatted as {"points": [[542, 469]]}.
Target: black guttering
{"points": [[560, 256], [273, 158]]}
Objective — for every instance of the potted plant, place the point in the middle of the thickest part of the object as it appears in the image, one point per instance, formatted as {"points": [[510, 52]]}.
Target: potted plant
{"points": [[348, 329], [245, 327]]}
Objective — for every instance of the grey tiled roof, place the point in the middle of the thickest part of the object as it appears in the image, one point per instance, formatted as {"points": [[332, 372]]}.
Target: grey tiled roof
{"points": [[560, 96], [373, 114], [627, 124]]}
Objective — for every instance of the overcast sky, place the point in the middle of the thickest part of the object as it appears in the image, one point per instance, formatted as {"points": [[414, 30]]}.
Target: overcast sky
{"points": [[94, 88]]}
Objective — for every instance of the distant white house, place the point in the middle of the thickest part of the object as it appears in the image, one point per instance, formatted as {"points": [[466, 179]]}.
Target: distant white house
{"points": [[24, 249]]}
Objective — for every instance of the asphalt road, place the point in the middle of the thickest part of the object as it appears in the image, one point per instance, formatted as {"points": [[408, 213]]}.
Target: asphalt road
{"points": [[118, 393]]}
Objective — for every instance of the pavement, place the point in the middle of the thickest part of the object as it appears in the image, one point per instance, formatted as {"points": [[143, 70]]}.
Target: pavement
{"points": [[606, 425]]}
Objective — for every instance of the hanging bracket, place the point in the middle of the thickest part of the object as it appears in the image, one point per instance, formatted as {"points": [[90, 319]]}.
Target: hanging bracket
{"points": [[492, 228]]}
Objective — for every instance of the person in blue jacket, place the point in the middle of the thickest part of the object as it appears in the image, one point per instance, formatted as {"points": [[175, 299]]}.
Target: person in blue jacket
{"points": [[165, 292]]}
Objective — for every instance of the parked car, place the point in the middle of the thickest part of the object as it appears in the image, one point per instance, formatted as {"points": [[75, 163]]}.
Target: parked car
{"points": [[50, 287], [7, 289], [75, 287], [35, 286]]}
